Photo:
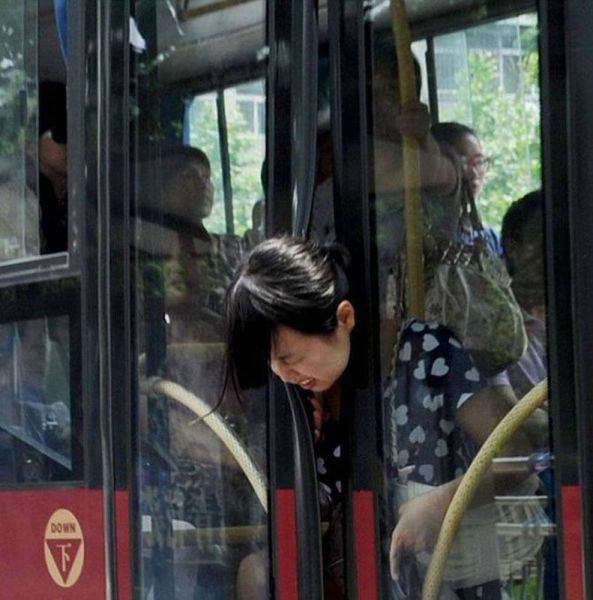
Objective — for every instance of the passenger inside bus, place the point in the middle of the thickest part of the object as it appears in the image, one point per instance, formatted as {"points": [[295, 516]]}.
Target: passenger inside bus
{"points": [[466, 143], [199, 265], [191, 481], [482, 317], [440, 182], [449, 192], [522, 241]]}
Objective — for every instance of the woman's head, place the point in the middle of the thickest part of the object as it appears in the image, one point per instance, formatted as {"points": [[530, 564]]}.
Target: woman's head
{"points": [[288, 308], [466, 144]]}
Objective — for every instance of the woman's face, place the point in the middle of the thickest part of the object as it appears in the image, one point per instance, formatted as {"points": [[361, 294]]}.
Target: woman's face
{"points": [[475, 163], [314, 362]]}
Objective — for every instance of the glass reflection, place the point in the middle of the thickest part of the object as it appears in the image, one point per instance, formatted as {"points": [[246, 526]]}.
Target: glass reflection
{"points": [[19, 211], [450, 377], [35, 411], [33, 154], [204, 531]]}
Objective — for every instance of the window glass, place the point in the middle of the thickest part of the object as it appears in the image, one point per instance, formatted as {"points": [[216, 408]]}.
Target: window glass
{"points": [[492, 77], [203, 133], [202, 520], [19, 214], [33, 163], [419, 49], [40, 384], [36, 386], [245, 106], [40, 411], [456, 359]]}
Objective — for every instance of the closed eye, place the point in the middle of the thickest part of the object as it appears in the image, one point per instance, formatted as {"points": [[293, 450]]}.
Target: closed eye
{"points": [[290, 361]]}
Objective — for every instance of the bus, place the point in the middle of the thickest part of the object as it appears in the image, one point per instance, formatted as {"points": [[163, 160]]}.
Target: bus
{"points": [[146, 147]]}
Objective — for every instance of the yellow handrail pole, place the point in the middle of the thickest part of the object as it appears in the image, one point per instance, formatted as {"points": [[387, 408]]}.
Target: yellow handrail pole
{"points": [[463, 497], [411, 162]]}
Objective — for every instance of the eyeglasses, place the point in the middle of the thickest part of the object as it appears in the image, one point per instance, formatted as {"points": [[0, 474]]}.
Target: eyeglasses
{"points": [[479, 163]]}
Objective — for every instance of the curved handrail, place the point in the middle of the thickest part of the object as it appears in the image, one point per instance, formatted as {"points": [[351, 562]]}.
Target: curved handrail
{"points": [[501, 434], [411, 162], [155, 386]]}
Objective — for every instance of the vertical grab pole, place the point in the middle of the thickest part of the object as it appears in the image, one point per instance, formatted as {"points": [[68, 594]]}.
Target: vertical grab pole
{"points": [[411, 162]]}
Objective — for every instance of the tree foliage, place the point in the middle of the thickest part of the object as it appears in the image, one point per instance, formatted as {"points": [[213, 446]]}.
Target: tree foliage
{"points": [[508, 124], [246, 156]]}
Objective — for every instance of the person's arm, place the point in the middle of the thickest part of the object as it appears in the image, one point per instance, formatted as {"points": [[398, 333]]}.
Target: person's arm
{"points": [[438, 171], [420, 519], [536, 429]]}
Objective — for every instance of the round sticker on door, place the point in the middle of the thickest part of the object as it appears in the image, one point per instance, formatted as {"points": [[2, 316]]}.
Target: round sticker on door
{"points": [[64, 548]]}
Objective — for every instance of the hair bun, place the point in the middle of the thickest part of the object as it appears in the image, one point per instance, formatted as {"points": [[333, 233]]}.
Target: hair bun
{"points": [[338, 254]]}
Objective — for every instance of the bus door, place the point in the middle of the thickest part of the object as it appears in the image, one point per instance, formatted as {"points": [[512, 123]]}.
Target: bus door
{"points": [[212, 512], [56, 476], [428, 387]]}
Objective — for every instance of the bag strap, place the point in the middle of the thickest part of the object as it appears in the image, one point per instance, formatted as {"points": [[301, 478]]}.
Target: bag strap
{"points": [[474, 215]]}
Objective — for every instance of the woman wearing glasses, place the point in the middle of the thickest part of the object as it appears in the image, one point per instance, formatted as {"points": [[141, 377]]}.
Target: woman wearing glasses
{"points": [[475, 164]]}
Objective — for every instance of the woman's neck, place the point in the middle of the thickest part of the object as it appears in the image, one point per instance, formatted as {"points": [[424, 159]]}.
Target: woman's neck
{"points": [[330, 400]]}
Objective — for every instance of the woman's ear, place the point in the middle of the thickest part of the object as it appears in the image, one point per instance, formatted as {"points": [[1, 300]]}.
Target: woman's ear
{"points": [[346, 315]]}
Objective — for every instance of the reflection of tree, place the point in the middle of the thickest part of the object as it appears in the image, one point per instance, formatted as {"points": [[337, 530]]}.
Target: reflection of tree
{"points": [[12, 76], [245, 157], [508, 125]]}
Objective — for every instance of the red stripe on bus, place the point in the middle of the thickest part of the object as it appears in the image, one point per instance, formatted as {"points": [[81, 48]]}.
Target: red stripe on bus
{"points": [[572, 538], [287, 545], [365, 545], [122, 536]]}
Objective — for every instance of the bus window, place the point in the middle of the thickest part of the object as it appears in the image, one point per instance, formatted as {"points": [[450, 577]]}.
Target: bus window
{"points": [[487, 74], [246, 107], [202, 124], [244, 144], [200, 148], [33, 153], [20, 207], [451, 368], [40, 428]]}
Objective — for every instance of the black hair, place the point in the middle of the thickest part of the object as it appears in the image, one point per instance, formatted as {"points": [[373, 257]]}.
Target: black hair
{"points": [[283, 281], [521, 222], [177, 157], [523, 244], [52, 110], [451, 132]]}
